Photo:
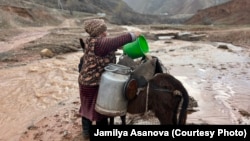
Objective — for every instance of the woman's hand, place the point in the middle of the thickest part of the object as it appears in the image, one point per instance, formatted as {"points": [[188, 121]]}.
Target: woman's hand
{"points": [[137, 33]]}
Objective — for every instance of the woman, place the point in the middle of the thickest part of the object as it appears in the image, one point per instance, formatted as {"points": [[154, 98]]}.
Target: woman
{"points": [[99, 52]]}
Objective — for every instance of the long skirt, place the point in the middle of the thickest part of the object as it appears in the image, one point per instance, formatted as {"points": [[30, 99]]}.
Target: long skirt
{"points": [[88, 96]]}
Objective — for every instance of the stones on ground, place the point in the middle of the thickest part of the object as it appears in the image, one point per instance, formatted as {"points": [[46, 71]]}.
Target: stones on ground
{"points": [[46, 53]]}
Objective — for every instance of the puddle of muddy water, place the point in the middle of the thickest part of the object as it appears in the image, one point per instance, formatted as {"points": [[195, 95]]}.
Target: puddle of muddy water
{"points": [[31, 92]]}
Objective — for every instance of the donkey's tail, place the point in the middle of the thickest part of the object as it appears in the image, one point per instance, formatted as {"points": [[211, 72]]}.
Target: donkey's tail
{"points": [[184, 106]]}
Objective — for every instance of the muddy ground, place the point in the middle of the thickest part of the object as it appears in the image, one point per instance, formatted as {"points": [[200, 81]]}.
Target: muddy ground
{"points": [[40, 94]]}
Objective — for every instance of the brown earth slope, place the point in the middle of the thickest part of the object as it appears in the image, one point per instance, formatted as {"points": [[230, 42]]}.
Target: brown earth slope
{"points": [[235, 12]]}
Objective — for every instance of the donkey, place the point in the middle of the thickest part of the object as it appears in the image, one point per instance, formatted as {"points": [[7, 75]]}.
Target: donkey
{"points": [[164, 95], [159, 92]]}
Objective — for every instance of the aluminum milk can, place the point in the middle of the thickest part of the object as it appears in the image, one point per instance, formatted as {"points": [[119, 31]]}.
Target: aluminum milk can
{"points": [[110, 100]]}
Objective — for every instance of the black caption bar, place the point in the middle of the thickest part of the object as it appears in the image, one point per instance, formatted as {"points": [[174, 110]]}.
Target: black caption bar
{"points": [[170, 132]]}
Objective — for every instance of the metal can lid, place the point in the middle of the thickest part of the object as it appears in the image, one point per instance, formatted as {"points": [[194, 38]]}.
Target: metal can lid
{"points": [[117, 68]]}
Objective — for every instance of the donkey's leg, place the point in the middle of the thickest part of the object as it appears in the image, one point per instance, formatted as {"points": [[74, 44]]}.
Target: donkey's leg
{"points": [[165, 117], [123, 118], [111, 120]]}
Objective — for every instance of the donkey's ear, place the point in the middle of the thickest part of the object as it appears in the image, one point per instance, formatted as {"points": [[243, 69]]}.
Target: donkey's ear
{"points": [[82, 43]]}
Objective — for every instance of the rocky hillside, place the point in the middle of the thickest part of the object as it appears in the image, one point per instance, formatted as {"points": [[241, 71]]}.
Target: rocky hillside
{"points": [[235, 12], [26, 14], [172, 7], [117, 12], [17, 13]]}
